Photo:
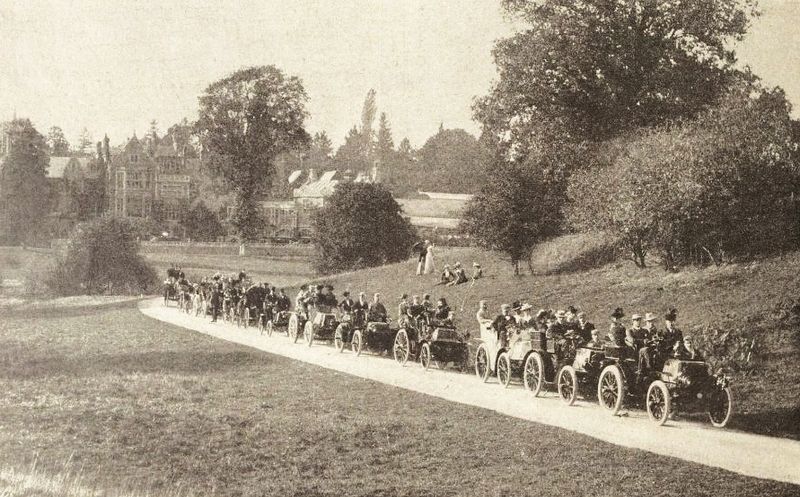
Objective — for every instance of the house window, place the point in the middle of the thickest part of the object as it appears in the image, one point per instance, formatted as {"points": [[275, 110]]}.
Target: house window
{"points": [[135, 180], [134, 158], [172, 212]]}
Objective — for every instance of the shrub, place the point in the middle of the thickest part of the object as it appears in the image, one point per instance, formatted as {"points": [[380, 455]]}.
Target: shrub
{"points": [[102, 257], [360, 226], [733, 348]]}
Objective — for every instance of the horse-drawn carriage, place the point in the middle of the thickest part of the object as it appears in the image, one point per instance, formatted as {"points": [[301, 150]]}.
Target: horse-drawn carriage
{"points": [[431, 343], [685, 385]]}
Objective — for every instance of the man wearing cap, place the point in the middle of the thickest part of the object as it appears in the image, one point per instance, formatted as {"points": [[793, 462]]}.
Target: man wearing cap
{"points": [[556, 332], [583, 327], [376, 312], [402, 310], [636, 335], [648, 352]]}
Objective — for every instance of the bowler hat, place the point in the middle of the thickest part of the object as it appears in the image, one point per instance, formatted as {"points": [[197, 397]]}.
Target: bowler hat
{"points": [[618, 313]]}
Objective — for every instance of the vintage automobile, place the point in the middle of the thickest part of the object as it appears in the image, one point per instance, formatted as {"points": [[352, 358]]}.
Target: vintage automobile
{"points": [[250, 305], [580, 377], [431, 343], [321, 326], [344, 331], [680, 385], [279, 319], [171, 292], [296, 325], [543, 362], [505, 359], [376, 337]]}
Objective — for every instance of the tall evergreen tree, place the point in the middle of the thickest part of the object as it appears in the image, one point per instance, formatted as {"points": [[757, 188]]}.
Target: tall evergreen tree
{"points": [[59, 146], [23, 184]]}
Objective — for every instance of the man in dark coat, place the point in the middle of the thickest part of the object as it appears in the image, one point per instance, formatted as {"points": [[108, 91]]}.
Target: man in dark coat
{"points": [[617, 332], [376, 313], [584, 328], [503, 323], [347, 304], [216, 301]]}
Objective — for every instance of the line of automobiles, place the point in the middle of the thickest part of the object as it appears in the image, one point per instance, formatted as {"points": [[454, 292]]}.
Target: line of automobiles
{"points": [[608, 375]]}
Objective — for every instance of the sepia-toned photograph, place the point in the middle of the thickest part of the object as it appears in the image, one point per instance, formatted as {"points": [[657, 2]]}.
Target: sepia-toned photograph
{"points": [[399, 248]]}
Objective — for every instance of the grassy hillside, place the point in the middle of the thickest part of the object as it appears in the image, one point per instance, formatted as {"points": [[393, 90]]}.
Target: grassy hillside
{"points": [[759, 294], [107, 399]]}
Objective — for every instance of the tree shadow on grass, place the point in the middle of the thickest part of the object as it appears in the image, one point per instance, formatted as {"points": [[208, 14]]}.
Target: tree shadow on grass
{"points": [[780, 422], [64, 312], [121, 364]]}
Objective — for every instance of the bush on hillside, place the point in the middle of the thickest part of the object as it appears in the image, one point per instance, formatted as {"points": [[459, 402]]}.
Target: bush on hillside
{"points": [[102, 257], [711, 190], [360, 226]]}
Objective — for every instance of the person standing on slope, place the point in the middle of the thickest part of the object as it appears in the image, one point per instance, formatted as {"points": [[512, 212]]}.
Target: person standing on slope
{"points": [[430, 265]]}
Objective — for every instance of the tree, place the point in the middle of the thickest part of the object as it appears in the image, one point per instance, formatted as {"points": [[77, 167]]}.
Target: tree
{"points": [[152, 137], [246, 120], [59, 146], [453, 161], [84, 142], [182, 136], [360, 226], [706, 190], [514, 210], [351, 155], [320, 153], [201, 223], [102, 258], [384, 148], [367, 121], [593, 69], [23, 183]]}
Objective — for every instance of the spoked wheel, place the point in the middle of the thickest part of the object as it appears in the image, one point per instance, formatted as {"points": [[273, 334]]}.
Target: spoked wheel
{"points": [[308, 333], [504, 369], [482, 364], [246, 319], [533, 373], [269, 328], [611, 389], [568, 385], [402, 348], [293, 328], [658, 401], [425, 356], [357, 342], [338, 339], [720, 407]]}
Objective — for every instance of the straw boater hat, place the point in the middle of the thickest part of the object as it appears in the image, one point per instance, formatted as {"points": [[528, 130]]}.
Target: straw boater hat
{"points": [[560, 313], [649, 317], [636, 317], [526, 307], [457, 264], [475, 264]]}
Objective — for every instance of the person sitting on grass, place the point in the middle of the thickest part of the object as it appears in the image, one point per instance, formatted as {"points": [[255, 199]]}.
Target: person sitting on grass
{"points": [[460, 275], [447, 275], [477, 271]]}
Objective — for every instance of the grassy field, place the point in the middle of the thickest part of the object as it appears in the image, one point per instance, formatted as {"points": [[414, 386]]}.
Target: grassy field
{"points": [[139, 407], [761, 294]]}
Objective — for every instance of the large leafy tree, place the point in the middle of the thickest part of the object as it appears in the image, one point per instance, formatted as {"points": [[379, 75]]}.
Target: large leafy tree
{"points": [[246, 120], [514, 210], [23, 183], [360, 226], [201, 223], [320, 152], [57, 141], [453, 161], [592, 69]]}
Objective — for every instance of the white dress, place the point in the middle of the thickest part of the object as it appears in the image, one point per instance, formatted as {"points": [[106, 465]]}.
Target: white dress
{"points": [[430, 267]]}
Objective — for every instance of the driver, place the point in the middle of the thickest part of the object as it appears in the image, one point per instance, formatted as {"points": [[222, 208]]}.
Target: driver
{"points": [[416, 311], [503, 323], [443, 315]]}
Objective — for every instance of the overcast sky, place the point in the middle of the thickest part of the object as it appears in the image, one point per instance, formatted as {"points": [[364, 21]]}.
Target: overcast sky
{"points": [[114, 66]]}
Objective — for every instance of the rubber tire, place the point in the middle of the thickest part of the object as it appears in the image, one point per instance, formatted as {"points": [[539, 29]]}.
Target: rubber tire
{"points": [[567, 373], [425, 358], [612, 371], [338, 339], [721, 424], [308, 333], [482, 374], [655, 388], [357, 343], [503, 365], [533, 362], [401, 353]]}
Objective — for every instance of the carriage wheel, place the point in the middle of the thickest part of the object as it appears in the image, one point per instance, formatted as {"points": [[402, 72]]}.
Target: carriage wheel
{"points": [[611, 389], [482, 363], [308, 333], [658, 402], [401, 348], [425, 356], [720, 407], [269, 328], [533, 373], [247, 318], [504, 369], [294, 324], [356, 342], [338, 339], [568, 385]]}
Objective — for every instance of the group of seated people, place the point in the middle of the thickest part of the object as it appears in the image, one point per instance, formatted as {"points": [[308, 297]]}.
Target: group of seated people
{"points": [[322, 298], [646, 342], [458, 275]]}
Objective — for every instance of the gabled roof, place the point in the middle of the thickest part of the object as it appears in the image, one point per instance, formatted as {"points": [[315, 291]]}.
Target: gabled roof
{"points": [[321, 188]]}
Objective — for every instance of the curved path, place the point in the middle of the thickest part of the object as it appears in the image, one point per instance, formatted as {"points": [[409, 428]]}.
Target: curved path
{"points": [[752, 455]]}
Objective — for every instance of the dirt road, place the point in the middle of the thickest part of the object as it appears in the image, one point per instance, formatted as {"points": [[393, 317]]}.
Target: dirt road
{"points": [[752, 455]]}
